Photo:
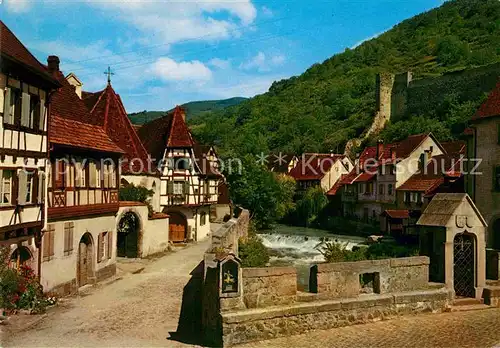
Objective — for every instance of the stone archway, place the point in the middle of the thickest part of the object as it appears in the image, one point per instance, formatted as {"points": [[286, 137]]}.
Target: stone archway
{"points": [[464, 265], [85, 264], [21, 256], [177, 228], [129, 235]]}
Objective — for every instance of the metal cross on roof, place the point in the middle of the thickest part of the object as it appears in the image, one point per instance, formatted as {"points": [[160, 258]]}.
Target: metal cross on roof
{"points": [[109, 73]]}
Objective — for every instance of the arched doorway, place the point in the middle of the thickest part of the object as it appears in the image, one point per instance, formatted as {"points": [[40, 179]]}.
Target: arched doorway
{"points": [[177, 228], [21, 257], [128, 235], [85, 265], [464, 261]]}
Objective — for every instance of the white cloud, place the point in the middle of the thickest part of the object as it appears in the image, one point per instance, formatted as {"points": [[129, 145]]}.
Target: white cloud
{"points": [[278, 60], [266, 11], [262, 63], [17, 6], [222, 64], [170, 70], [258, 62]]}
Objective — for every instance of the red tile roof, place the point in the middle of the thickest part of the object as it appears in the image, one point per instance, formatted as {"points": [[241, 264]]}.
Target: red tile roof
{"points": [[86, 136], [333, 191], [11, 47], [365, 177], [437, 169], [108, 109], [397, 214], [71, 123], [455, 148], [405, 147], [491, 106], [314, 166], [179, 133]]}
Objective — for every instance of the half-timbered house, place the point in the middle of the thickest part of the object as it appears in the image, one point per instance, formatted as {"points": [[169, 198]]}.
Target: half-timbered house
{"points": [[25, 88], [137, 168], [189, 184], [78, 245]]}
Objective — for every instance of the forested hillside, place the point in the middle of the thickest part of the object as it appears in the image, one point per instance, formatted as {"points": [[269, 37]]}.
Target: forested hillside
{"points": [[194, 109], [334, 101]]}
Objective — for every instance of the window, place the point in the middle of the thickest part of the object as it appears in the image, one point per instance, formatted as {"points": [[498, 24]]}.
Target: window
{"points": [[34, 115], [390, 189], [60, 174], [407, 197], [98, 175], [48, 243], [6, 188], [105, 245], [419, 197], [29, 187], [178, 188], [69, 228], [369, 188], [203, 219], [12, 105], [181, 163], [381, 189], [109, 175]]}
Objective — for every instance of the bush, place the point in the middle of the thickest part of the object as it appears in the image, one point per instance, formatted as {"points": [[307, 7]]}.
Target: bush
{"points": [[134, 193], [337, 252], [252, 252]]}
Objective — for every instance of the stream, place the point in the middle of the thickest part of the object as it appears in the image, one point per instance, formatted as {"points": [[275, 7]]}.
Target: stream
{"points": [[299, 247]]}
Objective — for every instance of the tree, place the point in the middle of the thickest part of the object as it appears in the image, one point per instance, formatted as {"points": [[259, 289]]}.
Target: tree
{"points": [[139, 193], [267, 196]]}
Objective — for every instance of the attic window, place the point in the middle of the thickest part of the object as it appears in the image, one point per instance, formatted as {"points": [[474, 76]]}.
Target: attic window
{"points": [[181, 163]]}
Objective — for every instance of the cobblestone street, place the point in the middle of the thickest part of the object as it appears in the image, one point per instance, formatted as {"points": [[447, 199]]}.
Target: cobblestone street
{"points": [[458, 329], [138, 310]]}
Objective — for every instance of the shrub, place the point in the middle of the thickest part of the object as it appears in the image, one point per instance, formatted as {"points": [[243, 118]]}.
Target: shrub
{"points": [[338, 252], [134, 193], [252, 252]]}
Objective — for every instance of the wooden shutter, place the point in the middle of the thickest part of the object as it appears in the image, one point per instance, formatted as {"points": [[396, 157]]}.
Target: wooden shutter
{"points": [[41, 188], [78, 174], [43, 115], [46, 244], [34, 190], [7, 115], [110, 244], [23, 181], [92, 175], [170, 187], [25, 110], [106, 175], [100, 247], [186, 188], [52, 239]]}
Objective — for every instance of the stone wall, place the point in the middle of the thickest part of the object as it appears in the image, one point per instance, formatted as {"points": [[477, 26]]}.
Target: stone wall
{"points": [[228, 235], [492, 264], [265, 287], [266, 323], [341, 280]]}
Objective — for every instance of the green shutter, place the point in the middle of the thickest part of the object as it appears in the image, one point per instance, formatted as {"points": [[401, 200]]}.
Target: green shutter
{"points": [[25, 110], [170, 187], [186, 188]]}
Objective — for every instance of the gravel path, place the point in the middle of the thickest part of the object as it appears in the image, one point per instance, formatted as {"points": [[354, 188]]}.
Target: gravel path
{"points": [[138, 310]]}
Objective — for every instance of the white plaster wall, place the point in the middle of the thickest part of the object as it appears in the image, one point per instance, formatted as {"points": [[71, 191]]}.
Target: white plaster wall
{"points": [[410, 165], [151, 183], [335, 173], [62, 269], [154, 232]]}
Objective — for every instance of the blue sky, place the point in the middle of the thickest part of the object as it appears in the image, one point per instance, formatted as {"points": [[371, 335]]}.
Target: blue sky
{"points": [[168, 52]]}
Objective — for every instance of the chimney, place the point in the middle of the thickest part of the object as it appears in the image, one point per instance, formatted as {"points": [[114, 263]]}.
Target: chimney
{"points": [[53, 64], [380, 148]]}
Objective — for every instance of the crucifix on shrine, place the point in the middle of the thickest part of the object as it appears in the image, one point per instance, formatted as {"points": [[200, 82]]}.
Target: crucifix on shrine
{"points": [[109, 73]]}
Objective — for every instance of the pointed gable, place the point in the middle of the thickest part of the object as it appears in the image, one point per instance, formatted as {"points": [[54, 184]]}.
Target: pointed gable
{"points": [[179, 135], [108, 110], [491, 106]]}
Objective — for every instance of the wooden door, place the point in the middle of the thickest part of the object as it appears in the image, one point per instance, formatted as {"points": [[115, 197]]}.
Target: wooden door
{"points": [[177, 228], [82, 264]]}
